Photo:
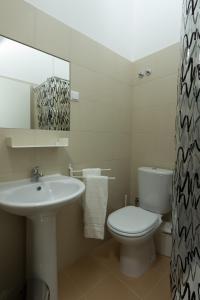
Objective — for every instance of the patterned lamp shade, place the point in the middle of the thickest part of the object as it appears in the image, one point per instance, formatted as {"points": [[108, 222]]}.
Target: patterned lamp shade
{"points": [[51, 105]]}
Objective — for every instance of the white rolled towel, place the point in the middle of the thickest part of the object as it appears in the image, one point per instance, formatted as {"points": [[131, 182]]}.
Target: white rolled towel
{"points": [[91, 172], [95, 206]]}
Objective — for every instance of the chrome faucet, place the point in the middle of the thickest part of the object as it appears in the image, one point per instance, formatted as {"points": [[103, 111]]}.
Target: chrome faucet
{"points": [[36, 174]]}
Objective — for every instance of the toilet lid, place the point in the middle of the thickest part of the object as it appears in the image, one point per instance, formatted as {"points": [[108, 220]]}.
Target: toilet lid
{"points": [[133, 220]]}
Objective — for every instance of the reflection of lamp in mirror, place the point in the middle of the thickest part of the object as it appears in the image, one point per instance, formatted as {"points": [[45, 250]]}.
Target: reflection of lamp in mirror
{"points": [[22, 71], [51, 105]]}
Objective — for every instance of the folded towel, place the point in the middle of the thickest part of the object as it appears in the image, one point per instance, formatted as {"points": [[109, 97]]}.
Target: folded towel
{"points": [[95, 206], [91, 172]]}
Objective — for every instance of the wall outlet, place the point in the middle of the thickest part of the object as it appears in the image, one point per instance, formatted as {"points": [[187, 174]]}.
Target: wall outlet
{"points": [[75, 96]]}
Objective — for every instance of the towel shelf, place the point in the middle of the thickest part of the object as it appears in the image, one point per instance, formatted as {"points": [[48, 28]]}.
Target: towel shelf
{"points": [[79, 171], [72, 171], [82, 177]]}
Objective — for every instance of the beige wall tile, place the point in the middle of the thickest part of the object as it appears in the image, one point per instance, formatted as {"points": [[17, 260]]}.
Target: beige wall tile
{"points": [[167, 61], [12, 251], [162, 63], [17, 21], [87, 82], [114, 65], [75, 116], [157, 92], [84, 51], [102, 118], [15, 161], [119, 187], [100, 98], [71, 241], [52, 36], [104, 110], [101, 125], [90, 54], [159, 120], [153, 115], [6, 167], [95, 86]]}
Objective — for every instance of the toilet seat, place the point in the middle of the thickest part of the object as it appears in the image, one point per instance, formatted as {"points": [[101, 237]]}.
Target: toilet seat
{"points": [[133, 221]]}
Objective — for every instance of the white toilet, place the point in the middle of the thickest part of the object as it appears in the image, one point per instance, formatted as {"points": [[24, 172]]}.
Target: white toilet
{"points": [[134, 227]]}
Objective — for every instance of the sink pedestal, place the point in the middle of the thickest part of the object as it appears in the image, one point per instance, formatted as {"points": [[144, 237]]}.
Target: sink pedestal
{"points": [[41, 250], [39, 202]]}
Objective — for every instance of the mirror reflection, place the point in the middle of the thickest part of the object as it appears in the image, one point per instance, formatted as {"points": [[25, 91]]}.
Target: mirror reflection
{"points": [[34, 88]]}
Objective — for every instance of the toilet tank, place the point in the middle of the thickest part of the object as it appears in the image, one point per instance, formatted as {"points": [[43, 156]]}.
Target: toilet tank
{"points": [[154, 186]]}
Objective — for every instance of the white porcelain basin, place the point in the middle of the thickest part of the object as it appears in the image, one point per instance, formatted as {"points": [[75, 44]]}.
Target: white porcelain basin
{"points": [[39, 203], [25, 198]]}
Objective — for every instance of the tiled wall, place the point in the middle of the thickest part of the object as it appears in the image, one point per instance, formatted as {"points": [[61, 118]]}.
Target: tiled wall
{"points": [[99, 137], [154, 109], [101, 127]]}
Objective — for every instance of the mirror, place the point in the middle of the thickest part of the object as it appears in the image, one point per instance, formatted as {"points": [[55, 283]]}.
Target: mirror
{"points": [[34, 88]]}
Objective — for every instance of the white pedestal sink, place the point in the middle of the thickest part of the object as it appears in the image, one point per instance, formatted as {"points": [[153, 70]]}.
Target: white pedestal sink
{"points": [[39, 202]]}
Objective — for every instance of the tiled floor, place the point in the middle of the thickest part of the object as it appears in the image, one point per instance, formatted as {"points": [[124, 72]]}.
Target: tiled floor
{"points": [[97, 277]]}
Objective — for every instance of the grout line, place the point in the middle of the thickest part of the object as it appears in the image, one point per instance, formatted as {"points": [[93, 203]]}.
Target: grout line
{"points": [[154, 286], [156, 78], [84, 294], [112, 273], [128, 288], [95, 285], [110, 76], [83, 297], [116, 277]]}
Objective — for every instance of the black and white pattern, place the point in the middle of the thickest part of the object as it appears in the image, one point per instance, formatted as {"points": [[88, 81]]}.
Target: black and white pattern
{"points": [[185, 262], [53, 104]]}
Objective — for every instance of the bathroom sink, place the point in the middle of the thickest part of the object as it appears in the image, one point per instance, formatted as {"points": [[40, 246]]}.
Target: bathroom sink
{"points": [[39, 202], [25, 198]]}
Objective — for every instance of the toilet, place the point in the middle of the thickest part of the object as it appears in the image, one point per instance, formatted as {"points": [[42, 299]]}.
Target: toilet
{"points": [[134, 227]]}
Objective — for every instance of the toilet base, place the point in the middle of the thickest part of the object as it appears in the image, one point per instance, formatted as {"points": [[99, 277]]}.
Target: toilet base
{"points": [[136, 258]]}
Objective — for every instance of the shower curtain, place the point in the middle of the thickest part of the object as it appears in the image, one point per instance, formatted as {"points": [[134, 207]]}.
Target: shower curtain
{"points": [[185, 260]]}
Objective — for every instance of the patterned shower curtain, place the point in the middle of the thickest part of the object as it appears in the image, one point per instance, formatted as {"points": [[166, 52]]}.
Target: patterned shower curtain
{"points": [[185, 261]]}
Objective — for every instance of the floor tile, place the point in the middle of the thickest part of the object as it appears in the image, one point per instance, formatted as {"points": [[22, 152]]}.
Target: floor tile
{"points": [[98, 277], [68, 289], [144, 284], [109, 257], [86, 273], [160, 291], [111, 289], [163, 263]]}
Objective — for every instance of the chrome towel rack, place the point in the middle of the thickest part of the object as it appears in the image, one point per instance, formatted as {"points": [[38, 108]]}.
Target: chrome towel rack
{"points": [[72, 171]]}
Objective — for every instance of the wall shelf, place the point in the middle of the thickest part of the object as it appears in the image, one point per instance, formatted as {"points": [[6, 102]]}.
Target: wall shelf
{"points": [[54, 143]]}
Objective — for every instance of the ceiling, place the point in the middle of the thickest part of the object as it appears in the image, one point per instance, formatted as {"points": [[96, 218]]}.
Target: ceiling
{"points": [[131, 28]]}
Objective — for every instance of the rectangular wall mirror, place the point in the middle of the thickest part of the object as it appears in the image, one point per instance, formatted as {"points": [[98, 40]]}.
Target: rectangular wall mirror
{"points": [[34, 88]]}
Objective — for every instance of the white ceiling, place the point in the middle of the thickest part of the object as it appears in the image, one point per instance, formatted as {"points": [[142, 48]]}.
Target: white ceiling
{"points": [[131, 28]]}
